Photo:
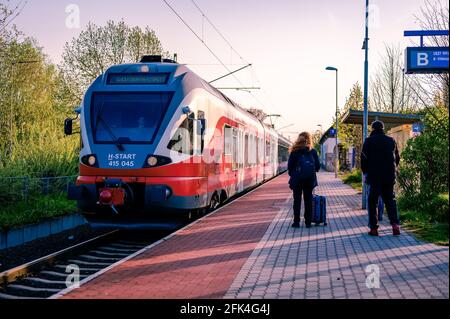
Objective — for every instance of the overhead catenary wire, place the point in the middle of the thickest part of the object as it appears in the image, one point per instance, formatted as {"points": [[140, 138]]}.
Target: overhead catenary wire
{"points": [[204, 16], [199, 38], [218, 32]]}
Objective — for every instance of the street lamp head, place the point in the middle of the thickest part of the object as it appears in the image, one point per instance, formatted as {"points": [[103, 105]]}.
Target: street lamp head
{"points": [[330, 68]]}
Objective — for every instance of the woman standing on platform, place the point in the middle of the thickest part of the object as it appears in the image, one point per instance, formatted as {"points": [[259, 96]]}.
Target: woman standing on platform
{"points": [[302, 167]]}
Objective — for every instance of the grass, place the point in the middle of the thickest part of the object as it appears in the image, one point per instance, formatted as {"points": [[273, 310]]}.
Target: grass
{"points": [[37, 209], [353, 179], [420, 225]]}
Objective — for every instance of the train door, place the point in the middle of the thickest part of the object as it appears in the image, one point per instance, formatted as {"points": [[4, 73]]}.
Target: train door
{"points": [[228, 159], [261, 159], [267, 163], [199, 165]]}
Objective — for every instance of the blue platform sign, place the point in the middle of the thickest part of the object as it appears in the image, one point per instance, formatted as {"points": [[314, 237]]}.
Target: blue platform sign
{"points": [[417, 127], [332, 132], [426, 60]]}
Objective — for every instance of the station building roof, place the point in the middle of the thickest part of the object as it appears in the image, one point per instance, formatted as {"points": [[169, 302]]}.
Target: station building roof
{"points": [[390, 120]]}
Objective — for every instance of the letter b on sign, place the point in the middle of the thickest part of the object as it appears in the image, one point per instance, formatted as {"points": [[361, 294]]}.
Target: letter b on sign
{"points": [[422, 59]]}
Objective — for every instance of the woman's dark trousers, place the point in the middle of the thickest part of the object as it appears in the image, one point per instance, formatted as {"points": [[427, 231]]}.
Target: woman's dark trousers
{"points": [[306, 191]]}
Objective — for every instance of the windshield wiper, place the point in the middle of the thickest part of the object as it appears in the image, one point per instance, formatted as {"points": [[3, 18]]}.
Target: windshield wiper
{"points": [[108, 128], [114, 138]]}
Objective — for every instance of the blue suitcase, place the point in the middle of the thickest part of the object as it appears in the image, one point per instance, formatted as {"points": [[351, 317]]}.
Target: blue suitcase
{"points": [[319, 215]]}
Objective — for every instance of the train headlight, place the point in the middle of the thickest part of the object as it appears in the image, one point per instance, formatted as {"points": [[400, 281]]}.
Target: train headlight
{"points": [[92, 160], [152, 161]]}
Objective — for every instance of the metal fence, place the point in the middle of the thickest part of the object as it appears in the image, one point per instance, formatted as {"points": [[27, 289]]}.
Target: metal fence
{"points": [[16, 189]]}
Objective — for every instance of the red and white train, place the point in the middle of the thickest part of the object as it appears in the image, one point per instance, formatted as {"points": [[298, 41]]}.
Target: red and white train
{"points": [[157, 138]]}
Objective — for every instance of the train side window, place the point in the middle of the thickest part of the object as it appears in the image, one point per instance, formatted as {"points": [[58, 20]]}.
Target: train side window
{"points": [[246, 151], [251, 150], [260, 151], [182, 140], [254, 151], [235, 150], [241, 148], [228, 133]]}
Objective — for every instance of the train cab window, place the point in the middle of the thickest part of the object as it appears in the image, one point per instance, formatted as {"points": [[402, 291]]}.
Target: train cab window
{"points": [[132, 118], [182, 140]]}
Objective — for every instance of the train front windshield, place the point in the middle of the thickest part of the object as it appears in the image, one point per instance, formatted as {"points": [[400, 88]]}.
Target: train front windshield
{"points": [[132, 118]]}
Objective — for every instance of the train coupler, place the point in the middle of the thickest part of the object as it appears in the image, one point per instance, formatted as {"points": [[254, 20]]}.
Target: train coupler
{"points": [[112, 195]]}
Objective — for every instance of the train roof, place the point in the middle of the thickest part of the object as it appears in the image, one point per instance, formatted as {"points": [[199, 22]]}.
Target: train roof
{"points": [[177, 70]]}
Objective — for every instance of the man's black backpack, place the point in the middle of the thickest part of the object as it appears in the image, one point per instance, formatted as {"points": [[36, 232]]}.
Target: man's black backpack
{"points": [[304, 170]]}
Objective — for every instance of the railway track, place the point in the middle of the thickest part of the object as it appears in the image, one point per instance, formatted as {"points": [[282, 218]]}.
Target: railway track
{"points": [[47, 276]]}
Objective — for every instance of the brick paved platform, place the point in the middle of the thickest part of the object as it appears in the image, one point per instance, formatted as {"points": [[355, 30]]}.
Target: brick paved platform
{"points": [[249, 250], [200, 261], [330, 262]]}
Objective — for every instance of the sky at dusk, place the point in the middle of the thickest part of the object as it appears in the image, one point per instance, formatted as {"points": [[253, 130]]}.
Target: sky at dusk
{"points": [[289, 43]]}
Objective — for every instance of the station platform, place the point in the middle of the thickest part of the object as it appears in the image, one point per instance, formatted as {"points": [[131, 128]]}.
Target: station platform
{"points": [[247, 249]]}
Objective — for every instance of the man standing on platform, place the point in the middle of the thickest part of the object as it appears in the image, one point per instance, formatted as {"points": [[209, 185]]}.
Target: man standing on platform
{"points": [[379, 161]]}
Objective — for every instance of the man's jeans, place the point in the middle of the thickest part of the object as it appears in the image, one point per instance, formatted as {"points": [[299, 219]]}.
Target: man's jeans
{"points": [[387, 193]]}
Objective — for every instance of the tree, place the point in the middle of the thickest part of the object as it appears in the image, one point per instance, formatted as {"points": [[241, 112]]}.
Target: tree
{"points": [[389, 92], [350, 135], [32, 107], [98, 47], [434, 15]]}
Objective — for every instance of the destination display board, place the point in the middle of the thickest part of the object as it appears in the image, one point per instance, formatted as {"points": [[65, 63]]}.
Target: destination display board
{"points": [[138, 78], [426, 60]]}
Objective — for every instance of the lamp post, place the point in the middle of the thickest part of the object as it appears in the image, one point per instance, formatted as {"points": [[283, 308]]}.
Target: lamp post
{"points": [[336, 151], [321, 129], [366, 94]]}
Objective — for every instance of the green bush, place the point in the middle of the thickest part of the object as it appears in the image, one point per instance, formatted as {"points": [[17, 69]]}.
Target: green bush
{"points": [[354, 177], [435, 207], [424, 167]]}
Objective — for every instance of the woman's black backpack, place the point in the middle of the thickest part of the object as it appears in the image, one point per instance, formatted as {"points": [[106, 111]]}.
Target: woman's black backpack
{"points": [[304, 171]]}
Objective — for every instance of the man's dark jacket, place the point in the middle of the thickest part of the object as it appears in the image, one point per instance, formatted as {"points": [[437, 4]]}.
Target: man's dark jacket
{"points": [[293, 162], [379, 158]]}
